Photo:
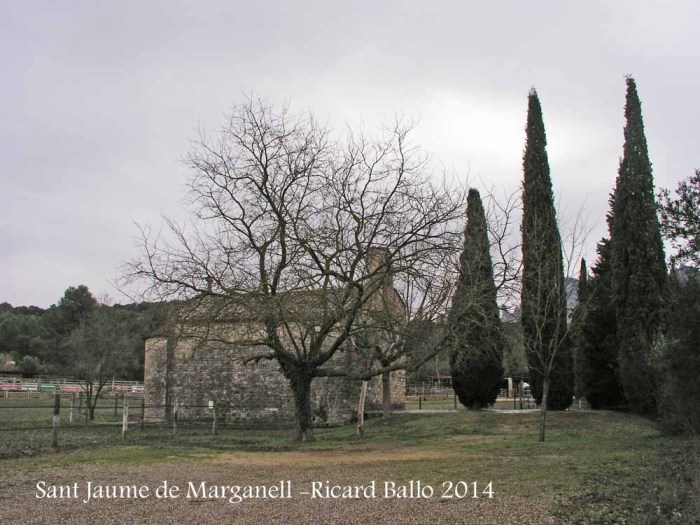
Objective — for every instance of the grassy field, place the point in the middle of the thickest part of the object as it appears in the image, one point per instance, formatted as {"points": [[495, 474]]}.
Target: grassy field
{"points": [[25, 424], [37, 410], [597, 467]]}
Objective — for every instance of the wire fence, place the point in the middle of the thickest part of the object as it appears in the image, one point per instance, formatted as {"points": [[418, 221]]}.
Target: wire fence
{"points": [[435, 395], [46, 421], [36, 420], [37, 412], [59, 420]]}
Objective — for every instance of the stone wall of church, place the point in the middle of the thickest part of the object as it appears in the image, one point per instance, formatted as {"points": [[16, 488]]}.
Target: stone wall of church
{"points": [[192, 375], [155, 372], [398, 391]]}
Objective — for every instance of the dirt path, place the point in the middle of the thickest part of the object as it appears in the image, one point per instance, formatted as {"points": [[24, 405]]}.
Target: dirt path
{"points": [[19, 504]]}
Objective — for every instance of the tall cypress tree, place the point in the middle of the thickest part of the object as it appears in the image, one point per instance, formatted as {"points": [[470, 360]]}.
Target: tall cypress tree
{"points": [[583, 282], [638, 263], [476, 340], [598, 360], [543, 293]]}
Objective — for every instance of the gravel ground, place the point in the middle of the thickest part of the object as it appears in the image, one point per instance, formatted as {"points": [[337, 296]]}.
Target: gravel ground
{"points": [[19, 505]]}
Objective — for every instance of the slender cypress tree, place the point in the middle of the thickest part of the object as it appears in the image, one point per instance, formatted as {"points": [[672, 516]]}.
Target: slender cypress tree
{"points": [[476, 342], [583, 282], [598, 360], [638, 262], [543, 293]]}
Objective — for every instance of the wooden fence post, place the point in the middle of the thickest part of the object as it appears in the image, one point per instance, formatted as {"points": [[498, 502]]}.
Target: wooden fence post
{"points": [[361, 409], [521, 394], [125, 417], [175, 410], [143, 411], [56, 419], [116, 402], [70, 412]]}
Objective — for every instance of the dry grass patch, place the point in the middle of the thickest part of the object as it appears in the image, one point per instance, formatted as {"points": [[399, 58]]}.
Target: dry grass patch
{"points": [[323, 458]]}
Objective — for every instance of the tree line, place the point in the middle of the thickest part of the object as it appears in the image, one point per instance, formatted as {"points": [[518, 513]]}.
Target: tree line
{"points": [[631, 342], [54, 341]]}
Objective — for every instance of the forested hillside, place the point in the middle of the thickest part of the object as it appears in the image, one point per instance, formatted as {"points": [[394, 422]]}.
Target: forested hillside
{"points": [[36, 340]]}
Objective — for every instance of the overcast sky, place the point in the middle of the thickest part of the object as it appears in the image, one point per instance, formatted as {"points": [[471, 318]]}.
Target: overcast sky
{"points": [[98, 101]]}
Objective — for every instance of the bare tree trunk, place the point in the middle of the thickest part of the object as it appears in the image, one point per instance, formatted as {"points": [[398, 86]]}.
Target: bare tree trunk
{"points": [[543, 407], [386, 395], [301, 388], [90, 401], [361, 410]]}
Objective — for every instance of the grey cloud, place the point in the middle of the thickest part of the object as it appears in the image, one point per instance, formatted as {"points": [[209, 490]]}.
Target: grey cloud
{"points": [[99, 99]]}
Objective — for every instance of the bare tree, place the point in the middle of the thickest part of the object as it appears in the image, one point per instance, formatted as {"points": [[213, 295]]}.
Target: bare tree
{"points": [[549, 349], [502, 209], [575, 227], [397, 330], [286, 219], [411, 336], [99, 348], [548, 341]]}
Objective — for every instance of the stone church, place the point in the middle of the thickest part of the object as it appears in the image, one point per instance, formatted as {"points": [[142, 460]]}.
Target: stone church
{"points": [[193, 372]]}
